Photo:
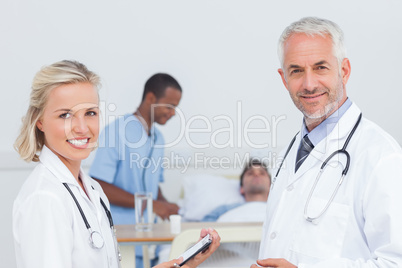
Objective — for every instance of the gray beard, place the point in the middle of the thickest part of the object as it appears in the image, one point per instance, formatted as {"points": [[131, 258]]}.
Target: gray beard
{"points": [[329, 108]]}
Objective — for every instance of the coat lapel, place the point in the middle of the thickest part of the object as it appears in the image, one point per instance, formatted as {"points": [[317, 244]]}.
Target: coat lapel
{"points": [[326, 147]]}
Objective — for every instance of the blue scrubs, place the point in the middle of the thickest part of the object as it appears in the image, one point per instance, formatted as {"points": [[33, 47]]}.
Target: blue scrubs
{"points": [[131, 160]]}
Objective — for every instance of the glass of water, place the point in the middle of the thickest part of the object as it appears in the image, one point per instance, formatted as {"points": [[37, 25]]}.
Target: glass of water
{"points": [[143, 211]]}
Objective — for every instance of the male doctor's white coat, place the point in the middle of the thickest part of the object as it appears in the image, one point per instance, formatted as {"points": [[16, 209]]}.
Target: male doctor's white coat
{"points": [[48, 229], [362, 226]]}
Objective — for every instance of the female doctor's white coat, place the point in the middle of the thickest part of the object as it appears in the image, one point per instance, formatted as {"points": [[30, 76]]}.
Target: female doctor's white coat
{"points": [[363, 225], [48, 229]]}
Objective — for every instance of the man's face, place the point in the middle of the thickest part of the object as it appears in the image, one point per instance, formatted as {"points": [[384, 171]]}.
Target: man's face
{"points": [[256, 180], [164, 108], [311, 75]]}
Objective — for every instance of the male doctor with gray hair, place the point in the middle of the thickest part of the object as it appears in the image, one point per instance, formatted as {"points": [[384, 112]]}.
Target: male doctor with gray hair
{"points": [[335, 200]]}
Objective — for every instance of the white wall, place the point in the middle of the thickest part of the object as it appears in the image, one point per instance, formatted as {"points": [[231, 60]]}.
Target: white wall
{"points": [[222, 52]]}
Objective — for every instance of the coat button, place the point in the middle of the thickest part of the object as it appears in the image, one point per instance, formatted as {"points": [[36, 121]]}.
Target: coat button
{"points": [[273, 235], [290, 188]]}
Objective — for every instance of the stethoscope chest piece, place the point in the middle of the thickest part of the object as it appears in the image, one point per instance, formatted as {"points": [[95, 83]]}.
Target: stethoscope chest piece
{"points": [[96, 240]]}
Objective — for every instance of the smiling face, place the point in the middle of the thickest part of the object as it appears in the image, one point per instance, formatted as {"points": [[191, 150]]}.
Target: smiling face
{"points": [[164, 108], [313, 78], [70, 122]]}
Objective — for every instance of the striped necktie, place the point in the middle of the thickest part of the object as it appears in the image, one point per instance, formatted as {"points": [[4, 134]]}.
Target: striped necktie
{"points": [[304, 149]]}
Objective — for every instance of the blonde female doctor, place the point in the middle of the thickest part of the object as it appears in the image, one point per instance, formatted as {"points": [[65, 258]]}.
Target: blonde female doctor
{"points": [[61, 216]]}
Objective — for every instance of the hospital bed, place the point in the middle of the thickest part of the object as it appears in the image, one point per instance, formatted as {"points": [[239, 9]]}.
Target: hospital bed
{"points": [[201, 194], [226, 255]]}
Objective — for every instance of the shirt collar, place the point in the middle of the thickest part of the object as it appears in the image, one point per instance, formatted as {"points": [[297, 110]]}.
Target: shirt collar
{"points": [[326, 127], [60, 171], [152, 131], [52, 162]]}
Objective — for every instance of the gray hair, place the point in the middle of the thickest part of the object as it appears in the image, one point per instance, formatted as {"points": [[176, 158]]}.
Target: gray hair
{"points": [[31, 139], [315, 26]]}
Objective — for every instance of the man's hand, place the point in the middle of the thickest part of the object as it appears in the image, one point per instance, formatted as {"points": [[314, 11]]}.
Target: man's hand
{"points": [[281, 263], [164, 209]]}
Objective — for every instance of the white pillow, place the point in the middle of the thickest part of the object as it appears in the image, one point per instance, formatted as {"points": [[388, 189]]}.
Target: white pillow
{"points": [[204, 192]]}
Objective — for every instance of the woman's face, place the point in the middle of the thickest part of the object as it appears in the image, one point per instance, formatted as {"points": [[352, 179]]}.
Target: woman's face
{"points": [[70, 122]]}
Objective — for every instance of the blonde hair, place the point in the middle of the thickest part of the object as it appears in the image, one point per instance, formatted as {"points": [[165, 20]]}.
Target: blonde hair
{"points": [[30, 141]]}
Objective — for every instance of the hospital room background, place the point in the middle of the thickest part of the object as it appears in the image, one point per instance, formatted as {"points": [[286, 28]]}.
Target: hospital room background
{"points": [[223, 53]]}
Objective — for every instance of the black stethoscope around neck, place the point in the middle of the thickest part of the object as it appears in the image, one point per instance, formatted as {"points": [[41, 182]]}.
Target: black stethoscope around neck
{"points": [[95, 238], [324, 164], [153, 137], [148, 159]]}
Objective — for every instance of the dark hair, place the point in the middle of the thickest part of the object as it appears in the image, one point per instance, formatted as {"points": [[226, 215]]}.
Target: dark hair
{"points": [[158, 83], [253, 163]]}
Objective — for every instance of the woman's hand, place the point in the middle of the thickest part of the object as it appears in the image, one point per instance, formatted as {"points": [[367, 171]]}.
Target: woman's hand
{"points": [[170, 264], [202, 256]]}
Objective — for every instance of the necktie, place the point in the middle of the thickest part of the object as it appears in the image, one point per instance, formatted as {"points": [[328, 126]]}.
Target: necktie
{"points": [[304, 149]]}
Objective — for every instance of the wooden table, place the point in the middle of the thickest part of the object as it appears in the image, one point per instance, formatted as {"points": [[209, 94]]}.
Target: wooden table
{"points": [[128, 237]]}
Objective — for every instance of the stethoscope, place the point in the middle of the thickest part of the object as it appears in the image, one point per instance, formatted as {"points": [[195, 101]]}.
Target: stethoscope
{"points": [[95, 238], [151, 150], [324, 164]]}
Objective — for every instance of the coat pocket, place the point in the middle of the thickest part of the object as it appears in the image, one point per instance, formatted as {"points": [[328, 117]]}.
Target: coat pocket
{"points": [[322, 238]]}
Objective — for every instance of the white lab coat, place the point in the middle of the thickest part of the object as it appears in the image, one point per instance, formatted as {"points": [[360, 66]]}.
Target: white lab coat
{"points": [[363, 225], [48, 229]]}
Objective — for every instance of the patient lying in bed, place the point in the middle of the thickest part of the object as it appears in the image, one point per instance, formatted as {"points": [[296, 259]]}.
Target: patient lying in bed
{"points": [[255, 183], [231, 201]]}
